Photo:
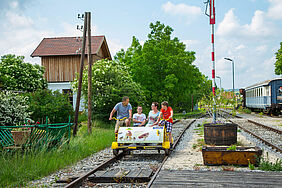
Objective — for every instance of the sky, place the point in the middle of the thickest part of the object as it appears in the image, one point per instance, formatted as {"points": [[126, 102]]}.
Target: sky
{"points": [[247, 31]]}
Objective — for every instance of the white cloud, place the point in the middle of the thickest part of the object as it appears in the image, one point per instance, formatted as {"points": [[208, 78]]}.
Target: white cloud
{"points": [[69, 30], [15, 20], [254, 61], [20, 36], [275, 9], [229, 24], [261, 48], [115, 46], [190, 43], [14, 4], [239, 47], [190, 12], [259, 26]]}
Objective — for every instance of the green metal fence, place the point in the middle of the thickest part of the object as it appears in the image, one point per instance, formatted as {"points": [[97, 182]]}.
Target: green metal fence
{"points": [[35, 136]]}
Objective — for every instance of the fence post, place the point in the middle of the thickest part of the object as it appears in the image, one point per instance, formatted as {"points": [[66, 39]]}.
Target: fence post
{"points": [[69, 135], [47, 130]]}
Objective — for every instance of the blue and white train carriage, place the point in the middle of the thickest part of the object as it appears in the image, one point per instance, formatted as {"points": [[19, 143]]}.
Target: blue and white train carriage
{"points": [[266, 96]]}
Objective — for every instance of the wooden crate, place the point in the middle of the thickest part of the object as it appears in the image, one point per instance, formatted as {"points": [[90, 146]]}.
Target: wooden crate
{"points": [[221, 156]]}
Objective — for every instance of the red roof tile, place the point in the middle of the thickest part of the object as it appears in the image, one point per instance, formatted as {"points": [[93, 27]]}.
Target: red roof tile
{"points": [[66, 46]]}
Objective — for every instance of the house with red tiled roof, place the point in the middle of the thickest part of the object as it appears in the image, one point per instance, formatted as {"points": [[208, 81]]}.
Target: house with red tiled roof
{"points": [[61, 58]]}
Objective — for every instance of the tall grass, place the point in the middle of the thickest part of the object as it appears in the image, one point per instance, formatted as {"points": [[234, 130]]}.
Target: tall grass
{"points": [[17, 169], [181, 115]]}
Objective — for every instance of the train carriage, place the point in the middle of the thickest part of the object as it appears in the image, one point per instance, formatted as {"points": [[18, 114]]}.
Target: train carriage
{"points": [[266, 96]]}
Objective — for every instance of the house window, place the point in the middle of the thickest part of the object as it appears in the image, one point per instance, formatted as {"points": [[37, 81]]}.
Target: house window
{"points": [[69, 93]]}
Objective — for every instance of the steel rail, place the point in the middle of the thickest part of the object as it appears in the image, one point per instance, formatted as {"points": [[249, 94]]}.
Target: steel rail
{"points": [[256, 136], [77, 182], [166, 157]]}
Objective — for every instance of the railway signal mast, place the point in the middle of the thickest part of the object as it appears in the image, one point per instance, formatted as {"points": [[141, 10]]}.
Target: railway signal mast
{"points": [[211, 15]]}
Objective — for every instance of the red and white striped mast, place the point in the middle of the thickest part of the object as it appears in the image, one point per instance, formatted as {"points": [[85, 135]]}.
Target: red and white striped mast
{"points": [[211, 14]]}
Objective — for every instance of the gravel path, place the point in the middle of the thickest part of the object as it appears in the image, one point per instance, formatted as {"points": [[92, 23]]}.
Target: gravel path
{"points": [[185, 157]]}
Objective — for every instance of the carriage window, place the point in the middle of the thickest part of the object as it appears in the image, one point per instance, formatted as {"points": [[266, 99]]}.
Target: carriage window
{"points": [[260, 92], [267, 91], [280, 91]]}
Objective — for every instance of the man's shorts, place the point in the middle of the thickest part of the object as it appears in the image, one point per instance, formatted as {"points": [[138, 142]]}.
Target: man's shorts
{"points": [[168, 125], [120, 123]]}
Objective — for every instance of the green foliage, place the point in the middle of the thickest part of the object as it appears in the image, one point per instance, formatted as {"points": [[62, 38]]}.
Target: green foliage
{"points": [[244, 110], [165, 69], [278, 63], [20, 168], [251, 166], [266, 165], [55, 105], [200, 129], [232, 148], [13, 108], [17, 75], [110, 82], [189, 114]]}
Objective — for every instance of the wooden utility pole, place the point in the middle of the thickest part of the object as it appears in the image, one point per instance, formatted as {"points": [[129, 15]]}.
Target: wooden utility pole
{"points": [[80, 77], [89, 122]]}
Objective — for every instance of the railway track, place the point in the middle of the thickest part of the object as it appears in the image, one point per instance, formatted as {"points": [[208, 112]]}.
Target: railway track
{"points": [[129, 167], [266, 134]]}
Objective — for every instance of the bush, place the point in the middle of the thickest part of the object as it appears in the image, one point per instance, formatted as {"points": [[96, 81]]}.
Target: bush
{"points": [[110, 82], [13, 108], [55, 105], [17, 75], [19, 169]]}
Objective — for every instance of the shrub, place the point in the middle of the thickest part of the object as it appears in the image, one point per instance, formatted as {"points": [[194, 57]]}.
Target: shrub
{"points": [[55, 105], [110, 82], [17, 75], [13, 108]]}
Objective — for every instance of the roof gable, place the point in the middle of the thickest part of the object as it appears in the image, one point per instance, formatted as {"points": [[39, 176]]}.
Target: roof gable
{"points": [[68, 46]]}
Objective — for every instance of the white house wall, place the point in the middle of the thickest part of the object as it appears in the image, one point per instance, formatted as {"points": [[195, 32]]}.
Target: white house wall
{"points": [[66, 85]]}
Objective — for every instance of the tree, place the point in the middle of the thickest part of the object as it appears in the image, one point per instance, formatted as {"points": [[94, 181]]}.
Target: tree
{"points": [[45, 102], [278, 63], [164, 68], [17, 75], [110, 82]]}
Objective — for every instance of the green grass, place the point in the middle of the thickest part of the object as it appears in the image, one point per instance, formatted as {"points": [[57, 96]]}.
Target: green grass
{"points": [[244, 110], [200, 129], [231, 148], [18, 169], [266, 165], [181, 115]]}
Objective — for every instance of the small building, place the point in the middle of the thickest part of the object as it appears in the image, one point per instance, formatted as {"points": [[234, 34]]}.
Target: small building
{"points": [[61, 58]]}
